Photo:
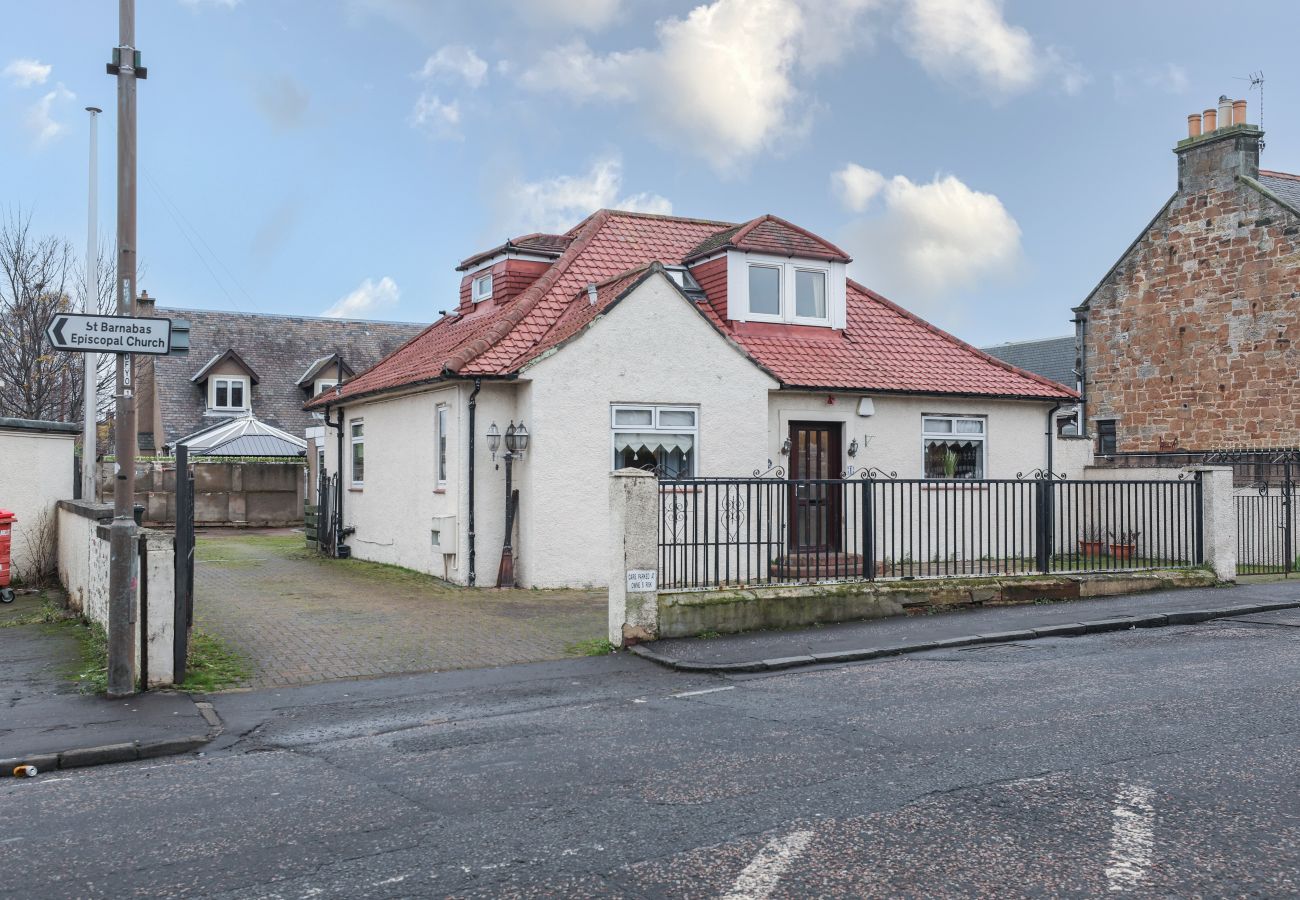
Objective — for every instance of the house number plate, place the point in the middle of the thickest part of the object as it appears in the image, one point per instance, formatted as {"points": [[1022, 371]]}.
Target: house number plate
{"points": [[642, 580]]}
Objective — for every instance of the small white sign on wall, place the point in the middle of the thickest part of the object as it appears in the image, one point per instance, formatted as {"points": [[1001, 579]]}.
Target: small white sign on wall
{"points": [[642, 580]]}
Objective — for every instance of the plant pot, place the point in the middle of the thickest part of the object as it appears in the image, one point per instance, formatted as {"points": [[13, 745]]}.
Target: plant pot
{"points": [[1123, 551], [1092, 548]]}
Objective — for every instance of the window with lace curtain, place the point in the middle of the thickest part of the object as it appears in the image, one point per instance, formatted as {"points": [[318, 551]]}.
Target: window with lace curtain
{"points": [[658, 438], [953, 446]]}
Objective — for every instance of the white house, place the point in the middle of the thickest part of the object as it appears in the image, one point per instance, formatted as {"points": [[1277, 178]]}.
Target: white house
{"points": [[694, 347]]}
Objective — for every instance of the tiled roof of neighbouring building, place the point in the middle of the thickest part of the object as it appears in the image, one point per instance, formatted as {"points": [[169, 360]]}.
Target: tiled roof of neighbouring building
{"points": [[1050, 357], [883, 347], [279, 348], [1286, 187]]}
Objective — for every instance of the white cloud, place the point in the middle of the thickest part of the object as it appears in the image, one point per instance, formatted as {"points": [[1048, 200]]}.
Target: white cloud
{"points": [[368, 299], [720, 81], [438, 118], [591, 15], [458, 60], [40, 116], [1170, 78], [958, 39], [27, 72], [556, 204], [932, 240], [856, 185]]}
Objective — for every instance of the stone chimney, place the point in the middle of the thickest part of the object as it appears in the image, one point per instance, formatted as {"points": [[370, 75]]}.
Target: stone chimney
{"points": [[1219, 147], [148, 409]]}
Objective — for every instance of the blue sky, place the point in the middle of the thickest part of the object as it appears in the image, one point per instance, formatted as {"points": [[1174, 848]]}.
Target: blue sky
{"points": [[983, 162]]}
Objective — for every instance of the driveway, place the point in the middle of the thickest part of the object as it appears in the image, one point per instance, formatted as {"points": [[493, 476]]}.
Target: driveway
{"points": [[301, 618]]}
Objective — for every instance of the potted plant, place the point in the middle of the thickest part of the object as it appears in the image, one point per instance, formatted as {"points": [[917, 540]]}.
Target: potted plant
{"points": [[1092, 543], [950, 463], [1123, 544]]}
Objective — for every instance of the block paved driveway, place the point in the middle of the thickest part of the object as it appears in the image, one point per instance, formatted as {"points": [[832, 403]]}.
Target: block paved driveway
{"points": [[300, 618]]}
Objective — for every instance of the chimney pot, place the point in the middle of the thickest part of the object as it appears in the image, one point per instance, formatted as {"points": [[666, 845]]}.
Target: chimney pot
{"points": [[1194, 125], [1209, 117], [1225, 112], [1239, 112]]}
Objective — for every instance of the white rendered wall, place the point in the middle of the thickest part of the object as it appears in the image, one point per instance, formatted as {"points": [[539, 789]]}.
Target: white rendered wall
{"points": [[652, 348], [35, 474]]}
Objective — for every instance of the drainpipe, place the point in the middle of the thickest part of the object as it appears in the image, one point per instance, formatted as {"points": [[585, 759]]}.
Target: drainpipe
{"points": [[1051, 436], [473, 406], [338, 499]]}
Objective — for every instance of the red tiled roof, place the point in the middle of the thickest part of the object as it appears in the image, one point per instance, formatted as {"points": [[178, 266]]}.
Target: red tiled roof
{"points": [[551, 245], [770, 234], [883, 347]]}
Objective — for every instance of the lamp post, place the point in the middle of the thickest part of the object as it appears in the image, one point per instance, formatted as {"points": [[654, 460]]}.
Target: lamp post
{"points": [[516, 441]]}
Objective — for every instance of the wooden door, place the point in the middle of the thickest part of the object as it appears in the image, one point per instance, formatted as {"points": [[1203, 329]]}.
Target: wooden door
{"points": [[814, 507]]}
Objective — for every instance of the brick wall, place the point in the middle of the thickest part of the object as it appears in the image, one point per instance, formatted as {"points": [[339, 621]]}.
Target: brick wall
{"points": [[1191, 339]]}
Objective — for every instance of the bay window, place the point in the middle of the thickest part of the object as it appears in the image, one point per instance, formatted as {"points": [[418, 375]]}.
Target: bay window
{"points": [[658, 438], [953, 446]]}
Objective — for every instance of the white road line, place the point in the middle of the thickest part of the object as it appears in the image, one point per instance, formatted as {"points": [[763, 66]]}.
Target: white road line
{"points": [[698, 693], [759, 879], [1132, 837]]}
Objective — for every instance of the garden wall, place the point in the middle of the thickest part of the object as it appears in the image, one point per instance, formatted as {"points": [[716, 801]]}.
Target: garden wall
{"points": [[243, 494]]}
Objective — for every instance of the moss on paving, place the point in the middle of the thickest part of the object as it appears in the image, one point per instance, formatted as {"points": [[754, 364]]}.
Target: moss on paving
{"points": [[211, 665]]}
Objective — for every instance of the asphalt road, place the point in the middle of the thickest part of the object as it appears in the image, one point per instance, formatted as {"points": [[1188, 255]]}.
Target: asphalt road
{"points": [[1162, 762]]}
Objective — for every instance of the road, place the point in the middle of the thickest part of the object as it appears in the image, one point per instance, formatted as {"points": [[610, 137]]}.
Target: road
{"points": [[1161, 762]]}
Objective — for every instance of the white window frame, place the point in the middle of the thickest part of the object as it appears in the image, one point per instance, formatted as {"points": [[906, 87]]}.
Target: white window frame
{"points": [[738, 306], [477, 293], [324, 384], [982, 439], [352, 456], [229, 380], [440, 445], [655, 427]]}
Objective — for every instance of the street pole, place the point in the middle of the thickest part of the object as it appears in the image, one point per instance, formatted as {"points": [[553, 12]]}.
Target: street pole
{"points": [[123, 573], [90, 361]]}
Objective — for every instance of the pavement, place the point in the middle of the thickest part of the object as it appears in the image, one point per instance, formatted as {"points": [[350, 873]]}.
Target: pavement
{"points": [[873, 638], [300, 618], [49, 722], [1147, 762]]}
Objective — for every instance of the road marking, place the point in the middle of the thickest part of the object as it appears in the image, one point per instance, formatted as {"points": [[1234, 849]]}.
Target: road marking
{"points": [[759, 879], [1132, 837], [698, 693]]}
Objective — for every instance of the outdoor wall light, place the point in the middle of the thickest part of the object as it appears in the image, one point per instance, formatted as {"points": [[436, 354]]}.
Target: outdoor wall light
{"points": [[853, 447], [785, 447], [494, 440], [516, 439]]}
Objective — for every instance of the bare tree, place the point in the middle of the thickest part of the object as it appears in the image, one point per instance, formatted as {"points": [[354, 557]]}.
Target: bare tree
{"points": [[39, 277]]}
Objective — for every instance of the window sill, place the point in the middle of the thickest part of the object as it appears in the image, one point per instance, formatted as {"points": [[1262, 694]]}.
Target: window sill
{"points": [[441, 489], [356, 488]]}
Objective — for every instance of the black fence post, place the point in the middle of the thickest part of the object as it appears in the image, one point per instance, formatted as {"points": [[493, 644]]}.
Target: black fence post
{"points": [[1042, 549], [869, 528], [1288, 519], [1198, 495]]}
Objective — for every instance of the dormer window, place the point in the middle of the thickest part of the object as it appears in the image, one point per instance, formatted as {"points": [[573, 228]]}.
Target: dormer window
{"points": [[483, 288], [228, 394], [786, 291], [685, 280]]}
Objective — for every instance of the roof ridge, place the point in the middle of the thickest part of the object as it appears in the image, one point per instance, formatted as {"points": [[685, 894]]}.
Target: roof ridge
{"points": [[806, 233], [1275, 174], [958, 341], [268, 315], [1060, 337], [528, 299], [666, 217]]}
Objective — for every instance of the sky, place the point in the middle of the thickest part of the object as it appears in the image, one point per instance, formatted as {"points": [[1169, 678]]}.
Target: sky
{"points": [[983, 162]]}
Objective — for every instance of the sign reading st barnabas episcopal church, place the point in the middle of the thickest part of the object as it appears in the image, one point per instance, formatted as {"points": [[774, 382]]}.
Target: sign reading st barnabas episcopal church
{"points": [[84, 333]]}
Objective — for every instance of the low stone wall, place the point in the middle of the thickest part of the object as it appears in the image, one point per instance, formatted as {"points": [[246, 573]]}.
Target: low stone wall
{"points": [[251, 494], [690, 613], [83, 569]]}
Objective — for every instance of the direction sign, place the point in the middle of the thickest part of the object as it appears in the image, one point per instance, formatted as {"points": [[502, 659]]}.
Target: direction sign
{"points": [[83, 333]]}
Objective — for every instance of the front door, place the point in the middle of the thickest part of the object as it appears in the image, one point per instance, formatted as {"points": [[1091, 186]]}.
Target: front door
{"points": [[815, 503]]}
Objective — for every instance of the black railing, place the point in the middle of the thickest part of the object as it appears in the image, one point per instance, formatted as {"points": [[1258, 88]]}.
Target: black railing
{"points": [[1267, 517], [755, 531]]}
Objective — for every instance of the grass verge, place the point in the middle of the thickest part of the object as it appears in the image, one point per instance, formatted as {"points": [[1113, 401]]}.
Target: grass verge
{"points": [[590, 647], [213, 666]]}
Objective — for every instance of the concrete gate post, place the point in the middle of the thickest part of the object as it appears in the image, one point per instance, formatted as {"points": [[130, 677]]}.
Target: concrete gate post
{"points": [[634, 552], [1219, 520]]}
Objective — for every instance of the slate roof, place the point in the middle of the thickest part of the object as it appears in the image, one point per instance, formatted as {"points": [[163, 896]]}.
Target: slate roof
{"points": [[1050, 357], [1286, 186], [883, 347], [279, 348]]}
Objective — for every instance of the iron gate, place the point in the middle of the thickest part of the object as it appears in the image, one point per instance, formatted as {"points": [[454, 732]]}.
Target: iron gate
{"points": [[1266, 522], [183, 611]]}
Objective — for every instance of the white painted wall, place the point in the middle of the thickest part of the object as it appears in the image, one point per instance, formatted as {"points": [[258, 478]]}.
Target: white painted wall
{"points": [[35, 473], [83, 570], [651, 348]]}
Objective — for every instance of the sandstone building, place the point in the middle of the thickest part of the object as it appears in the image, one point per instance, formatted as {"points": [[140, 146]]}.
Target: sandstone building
{"points": [[1189, 343]]}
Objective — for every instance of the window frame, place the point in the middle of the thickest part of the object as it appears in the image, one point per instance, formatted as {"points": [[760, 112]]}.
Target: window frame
{"points": [[477, 294], [834, 281], [1111, 433], [794, 295], [325, 384], [982, 438], [229, 380], [440, 446], [655, 409], [354, 440], [751, 314]]}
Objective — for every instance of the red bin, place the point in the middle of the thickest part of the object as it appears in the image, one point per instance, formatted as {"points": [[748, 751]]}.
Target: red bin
{"points": [[7, 520]]}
